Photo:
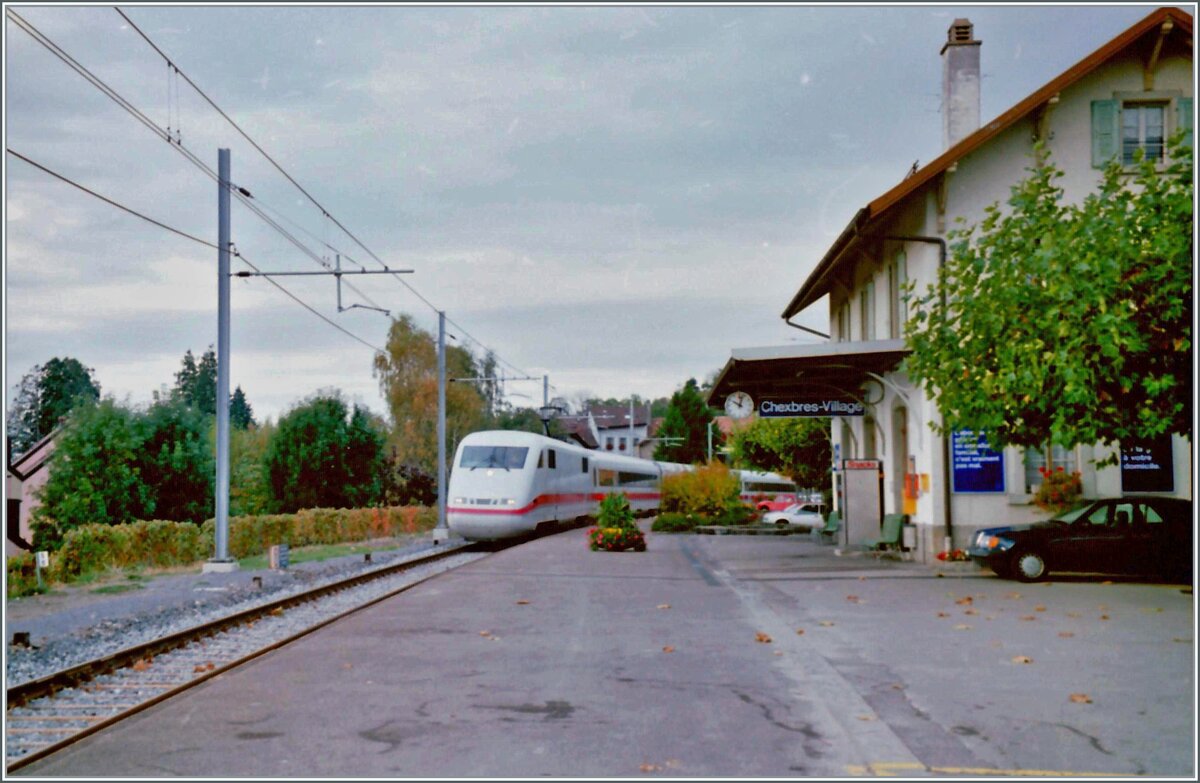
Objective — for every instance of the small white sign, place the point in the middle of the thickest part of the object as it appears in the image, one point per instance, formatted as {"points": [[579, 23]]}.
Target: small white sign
{"points": [[43, 559]]}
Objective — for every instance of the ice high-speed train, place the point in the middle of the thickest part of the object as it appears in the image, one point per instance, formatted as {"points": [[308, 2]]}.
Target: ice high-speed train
{"points": [[506, 483]]}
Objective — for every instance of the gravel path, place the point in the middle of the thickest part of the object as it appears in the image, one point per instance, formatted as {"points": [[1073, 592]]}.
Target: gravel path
{"points": [[73, 625]]}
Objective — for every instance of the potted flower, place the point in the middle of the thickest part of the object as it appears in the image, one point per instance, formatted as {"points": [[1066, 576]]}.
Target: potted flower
{"points": [[615, 529]]}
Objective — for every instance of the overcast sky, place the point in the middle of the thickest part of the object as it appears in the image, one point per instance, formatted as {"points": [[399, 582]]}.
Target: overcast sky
{"points": [[614, 196]]}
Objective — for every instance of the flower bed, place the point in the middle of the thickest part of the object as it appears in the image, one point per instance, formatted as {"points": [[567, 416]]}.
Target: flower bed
{"points": [[616, 530]]}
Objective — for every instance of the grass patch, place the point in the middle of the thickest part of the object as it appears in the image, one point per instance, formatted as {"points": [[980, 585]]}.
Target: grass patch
{"points": [[108, 589], [309, 554]]}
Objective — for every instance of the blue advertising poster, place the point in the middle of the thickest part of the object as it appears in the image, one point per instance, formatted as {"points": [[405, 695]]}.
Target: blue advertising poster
{"points": [[974, 466], [1147, 466]]}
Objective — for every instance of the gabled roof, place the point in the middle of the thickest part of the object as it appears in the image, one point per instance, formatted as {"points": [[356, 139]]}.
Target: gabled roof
{"points": [[34, 457], [816, 285], [609, 417]]}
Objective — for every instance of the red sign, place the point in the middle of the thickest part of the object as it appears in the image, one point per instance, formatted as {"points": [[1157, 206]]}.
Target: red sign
{"points": [[862, 464]]}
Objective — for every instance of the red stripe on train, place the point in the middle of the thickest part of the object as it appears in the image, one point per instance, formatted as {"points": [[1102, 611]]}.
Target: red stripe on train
{"points": [[542, 500]]}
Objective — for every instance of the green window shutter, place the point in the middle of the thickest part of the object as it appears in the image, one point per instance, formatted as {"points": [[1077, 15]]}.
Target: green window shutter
{"points": [[1183, 108], [1105, 131]]}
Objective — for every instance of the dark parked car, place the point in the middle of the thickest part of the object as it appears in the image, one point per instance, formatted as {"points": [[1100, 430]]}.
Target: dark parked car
{"points": [[1132, 534]]}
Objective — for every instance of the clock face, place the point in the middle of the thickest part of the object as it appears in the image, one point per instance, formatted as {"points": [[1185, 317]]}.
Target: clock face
{"points": [[739, 405]]}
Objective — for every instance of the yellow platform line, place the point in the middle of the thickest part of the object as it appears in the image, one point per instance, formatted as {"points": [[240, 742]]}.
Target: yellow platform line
{"points": [[887, 769]]}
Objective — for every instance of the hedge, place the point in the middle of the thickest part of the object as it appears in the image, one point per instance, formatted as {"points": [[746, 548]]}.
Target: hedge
{"points": [[159, 544]]}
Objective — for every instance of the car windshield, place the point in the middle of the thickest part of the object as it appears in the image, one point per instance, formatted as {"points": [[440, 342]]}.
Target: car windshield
{"points": [[507, 457]]}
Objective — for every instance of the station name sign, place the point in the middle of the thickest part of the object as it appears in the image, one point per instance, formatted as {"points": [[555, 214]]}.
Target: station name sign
{"points": [[809, 407]]}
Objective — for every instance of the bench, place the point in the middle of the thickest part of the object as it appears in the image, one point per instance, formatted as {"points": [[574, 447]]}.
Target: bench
{"points": [[889, 535], [832, 525]]}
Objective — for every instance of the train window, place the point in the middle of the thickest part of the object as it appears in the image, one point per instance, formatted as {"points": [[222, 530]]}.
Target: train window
{"points": [[585, 465], [769, 486], [608, 478], [541, 459], [632, 479], [507, 457], [550, 462]]}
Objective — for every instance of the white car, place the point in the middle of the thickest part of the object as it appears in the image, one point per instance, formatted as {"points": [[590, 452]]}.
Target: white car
{"points": [[806, 515]]}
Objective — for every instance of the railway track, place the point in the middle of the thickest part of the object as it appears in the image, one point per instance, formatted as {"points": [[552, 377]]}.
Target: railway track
{"points": [[51, 712]]}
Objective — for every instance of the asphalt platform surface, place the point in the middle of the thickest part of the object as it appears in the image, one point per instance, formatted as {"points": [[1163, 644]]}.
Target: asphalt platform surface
{"points": [[705, 656]]}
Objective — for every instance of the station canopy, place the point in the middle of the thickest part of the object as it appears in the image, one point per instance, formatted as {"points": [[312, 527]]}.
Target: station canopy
{"points": [[825, 370]]}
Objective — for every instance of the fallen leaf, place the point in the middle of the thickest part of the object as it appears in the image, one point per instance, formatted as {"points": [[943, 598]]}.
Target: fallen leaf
{"points": [[668, 649], [762, 638], [522, 602], [650, 768], [966, 599], [1022, 659], [1106, 582], [799, 631], [485, 633], [962, 627], [897, 686], [969, 611], [865, 717], [1081, 698], [199, 669], [142, 665], [779, 652], [1181, 639], [277, 611], [826, 623], [862, 579], [1039, 608], [1151, 609], [664, 606], [347, 666], [942, 614], [1103, 617], [1065, 634], [852, 599], [1013, 596], [1028, 618], [1073, 614]]}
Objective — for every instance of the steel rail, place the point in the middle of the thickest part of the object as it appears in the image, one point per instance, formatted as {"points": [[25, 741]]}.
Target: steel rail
{"points": [[75, 676]]}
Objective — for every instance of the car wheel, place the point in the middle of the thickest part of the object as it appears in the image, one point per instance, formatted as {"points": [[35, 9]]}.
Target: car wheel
{"points": [[1028, 566], [781, 523]]}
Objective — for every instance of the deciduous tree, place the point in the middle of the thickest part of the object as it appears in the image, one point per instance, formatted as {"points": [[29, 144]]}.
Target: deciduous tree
{"points": [[1069, 323], [795, 447], [407, 376]]}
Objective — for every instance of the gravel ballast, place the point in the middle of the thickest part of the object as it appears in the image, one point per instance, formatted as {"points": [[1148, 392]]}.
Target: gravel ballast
{"points": [[86, 626]]}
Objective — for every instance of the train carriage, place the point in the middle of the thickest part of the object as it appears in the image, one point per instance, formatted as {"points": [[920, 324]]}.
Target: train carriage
{"points": [[507, 483]]}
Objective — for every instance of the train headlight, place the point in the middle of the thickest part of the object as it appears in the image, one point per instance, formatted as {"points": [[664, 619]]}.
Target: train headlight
{"points": [[510, 501], [460, 501]]}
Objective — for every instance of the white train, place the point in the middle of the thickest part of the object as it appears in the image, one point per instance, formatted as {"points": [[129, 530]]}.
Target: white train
{"points": [[507, 483]]}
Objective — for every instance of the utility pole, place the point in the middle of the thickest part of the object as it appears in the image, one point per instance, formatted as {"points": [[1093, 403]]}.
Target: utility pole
{"points": [[221, 561], [441, 533]]}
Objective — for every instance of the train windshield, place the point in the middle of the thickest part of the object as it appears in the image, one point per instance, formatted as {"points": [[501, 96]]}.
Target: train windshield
{"points": [[507, 457]]}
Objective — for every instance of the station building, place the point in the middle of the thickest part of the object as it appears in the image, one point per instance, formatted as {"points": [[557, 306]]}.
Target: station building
{"points": [[1132, 92]]}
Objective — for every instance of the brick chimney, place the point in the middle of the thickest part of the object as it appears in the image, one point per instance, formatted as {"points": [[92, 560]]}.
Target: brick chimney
{"points": [[960, 83]]}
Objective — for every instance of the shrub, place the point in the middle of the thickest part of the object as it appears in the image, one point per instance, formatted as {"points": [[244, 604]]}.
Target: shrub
{"points": [[709, 491], [675, 522], [615, 511], [158, 543], [1060, 491], [22, 575]]}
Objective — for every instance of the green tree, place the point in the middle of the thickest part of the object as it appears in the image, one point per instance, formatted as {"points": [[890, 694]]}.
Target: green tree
{"points": [[687, 419], [196, 382], [249, 488], [114, 465], [407, 376], [795, 447], [323, 455], [176, 462], [45, 396], [1067, 323], [241, 415], [95, 474]]}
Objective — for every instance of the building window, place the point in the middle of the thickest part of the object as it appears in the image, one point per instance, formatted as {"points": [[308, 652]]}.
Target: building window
{"points": [[1051, 458], [866, 303], [608, 444], [1142, 127], [843, 322], [621, 445], [897, 309]]}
